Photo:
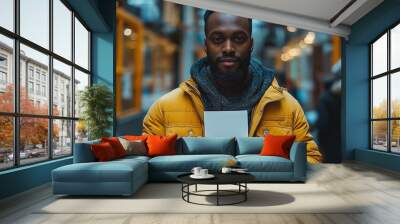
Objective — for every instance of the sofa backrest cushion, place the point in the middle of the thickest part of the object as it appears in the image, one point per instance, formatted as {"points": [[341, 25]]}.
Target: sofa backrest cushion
{"points": [[249, 145], [206, 145], [83, 153]]}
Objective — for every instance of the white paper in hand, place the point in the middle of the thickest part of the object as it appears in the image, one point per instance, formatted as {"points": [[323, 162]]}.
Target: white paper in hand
{"points": [[226, 123]]}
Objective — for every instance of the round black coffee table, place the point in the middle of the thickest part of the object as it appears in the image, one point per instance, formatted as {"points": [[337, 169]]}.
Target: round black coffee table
{"points": [[238, 179]]}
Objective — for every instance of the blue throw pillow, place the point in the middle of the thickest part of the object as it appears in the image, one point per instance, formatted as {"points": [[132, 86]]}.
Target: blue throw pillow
{"points": [[206, 145]]}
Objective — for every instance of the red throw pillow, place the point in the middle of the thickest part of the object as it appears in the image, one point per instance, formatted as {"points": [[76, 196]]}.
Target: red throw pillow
{"points": [[103, 151], [275, 145], [116, 145], [161, 145]]}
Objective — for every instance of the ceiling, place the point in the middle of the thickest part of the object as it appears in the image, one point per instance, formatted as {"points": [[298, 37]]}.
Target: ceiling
{"points": [[327, 16]]}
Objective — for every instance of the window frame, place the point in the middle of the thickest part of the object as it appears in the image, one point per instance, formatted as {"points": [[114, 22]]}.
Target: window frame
{"points": [[388, 74], [16, 115]]}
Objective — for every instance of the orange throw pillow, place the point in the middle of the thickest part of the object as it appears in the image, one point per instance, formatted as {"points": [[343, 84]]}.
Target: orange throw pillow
{"points": [[161, 145], [103, 152], [116, 145], [275, 145]]}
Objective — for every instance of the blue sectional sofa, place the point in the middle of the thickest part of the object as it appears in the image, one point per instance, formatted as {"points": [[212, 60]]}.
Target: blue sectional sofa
{"points": [[125, 176]]}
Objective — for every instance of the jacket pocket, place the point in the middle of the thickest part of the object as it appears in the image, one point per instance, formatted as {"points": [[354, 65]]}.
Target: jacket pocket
{"points": [[183, 130], [276, 125]]}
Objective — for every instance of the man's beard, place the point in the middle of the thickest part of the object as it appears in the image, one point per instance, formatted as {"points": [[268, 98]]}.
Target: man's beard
{"points": [[230, 77]]}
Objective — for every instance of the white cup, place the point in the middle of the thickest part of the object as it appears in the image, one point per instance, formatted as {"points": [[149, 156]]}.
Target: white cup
{"points": [[203, 172], [226, 170], [196, 170]]}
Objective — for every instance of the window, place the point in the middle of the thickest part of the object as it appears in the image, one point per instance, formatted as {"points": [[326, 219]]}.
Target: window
{"points": [[3, 72], [81, 81], [34, 22], [37, 74], [54, 126], [30, 72], [38, 89], [3, 61], [43, 90], [62, 30], [7, 14], [3, 78], [62, 75], [81, 45], [30, 87], [385, 96], [6, 89]]}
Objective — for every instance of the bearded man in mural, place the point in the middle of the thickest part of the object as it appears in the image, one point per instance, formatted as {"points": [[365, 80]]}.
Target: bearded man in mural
{"points": [[229, 79]]}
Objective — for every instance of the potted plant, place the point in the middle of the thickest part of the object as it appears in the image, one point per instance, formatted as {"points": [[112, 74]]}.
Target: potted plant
{"points": [[96, 102]]}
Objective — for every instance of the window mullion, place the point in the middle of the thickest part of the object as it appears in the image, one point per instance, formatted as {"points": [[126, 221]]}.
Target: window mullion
{"points": [[50, 81], [389, 113], [16, 84], [371, 140], [73, 82]]}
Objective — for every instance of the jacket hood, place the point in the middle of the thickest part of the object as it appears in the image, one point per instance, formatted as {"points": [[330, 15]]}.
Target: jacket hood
{"points": [[273, 92]]}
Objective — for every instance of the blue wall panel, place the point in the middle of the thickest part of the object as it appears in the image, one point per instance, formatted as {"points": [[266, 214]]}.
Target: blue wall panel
{"points": [[24, 178], [356, 84], [356, 99], [103, 60]]}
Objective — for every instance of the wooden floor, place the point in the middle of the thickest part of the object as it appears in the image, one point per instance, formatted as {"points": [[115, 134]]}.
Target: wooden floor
{"points": [[378, 188]]}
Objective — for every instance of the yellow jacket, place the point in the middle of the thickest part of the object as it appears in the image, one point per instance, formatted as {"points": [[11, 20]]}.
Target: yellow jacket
{"points": [[181, 111]]}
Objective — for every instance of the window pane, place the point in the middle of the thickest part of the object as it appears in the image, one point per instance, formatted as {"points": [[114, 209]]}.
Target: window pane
{"points": [[7, 14], [33, 140], [6, 74], [62, 89], [379, 55], [62, 138], [81, 45], [81, 81], [35, 21], [395, 136], [395, 47], [6, 142], [81, 131], [379, 135], [62, 29], [395, 94], [34, 78], [379, 97]]}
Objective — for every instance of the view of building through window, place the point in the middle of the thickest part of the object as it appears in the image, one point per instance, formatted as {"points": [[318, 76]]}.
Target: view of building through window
{"points": [[385, 79], [38, 88]]}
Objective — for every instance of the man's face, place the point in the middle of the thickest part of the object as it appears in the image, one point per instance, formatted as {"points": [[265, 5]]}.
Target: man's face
{"points": [[228, 46]]}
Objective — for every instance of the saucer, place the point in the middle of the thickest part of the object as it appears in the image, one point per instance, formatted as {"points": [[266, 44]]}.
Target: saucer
{"points": [[208, 176]]}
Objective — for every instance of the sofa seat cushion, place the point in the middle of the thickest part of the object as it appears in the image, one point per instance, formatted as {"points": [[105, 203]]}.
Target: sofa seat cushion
{"points": [[257, 163], [185, 163], [133, 158], [112, 171]]}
